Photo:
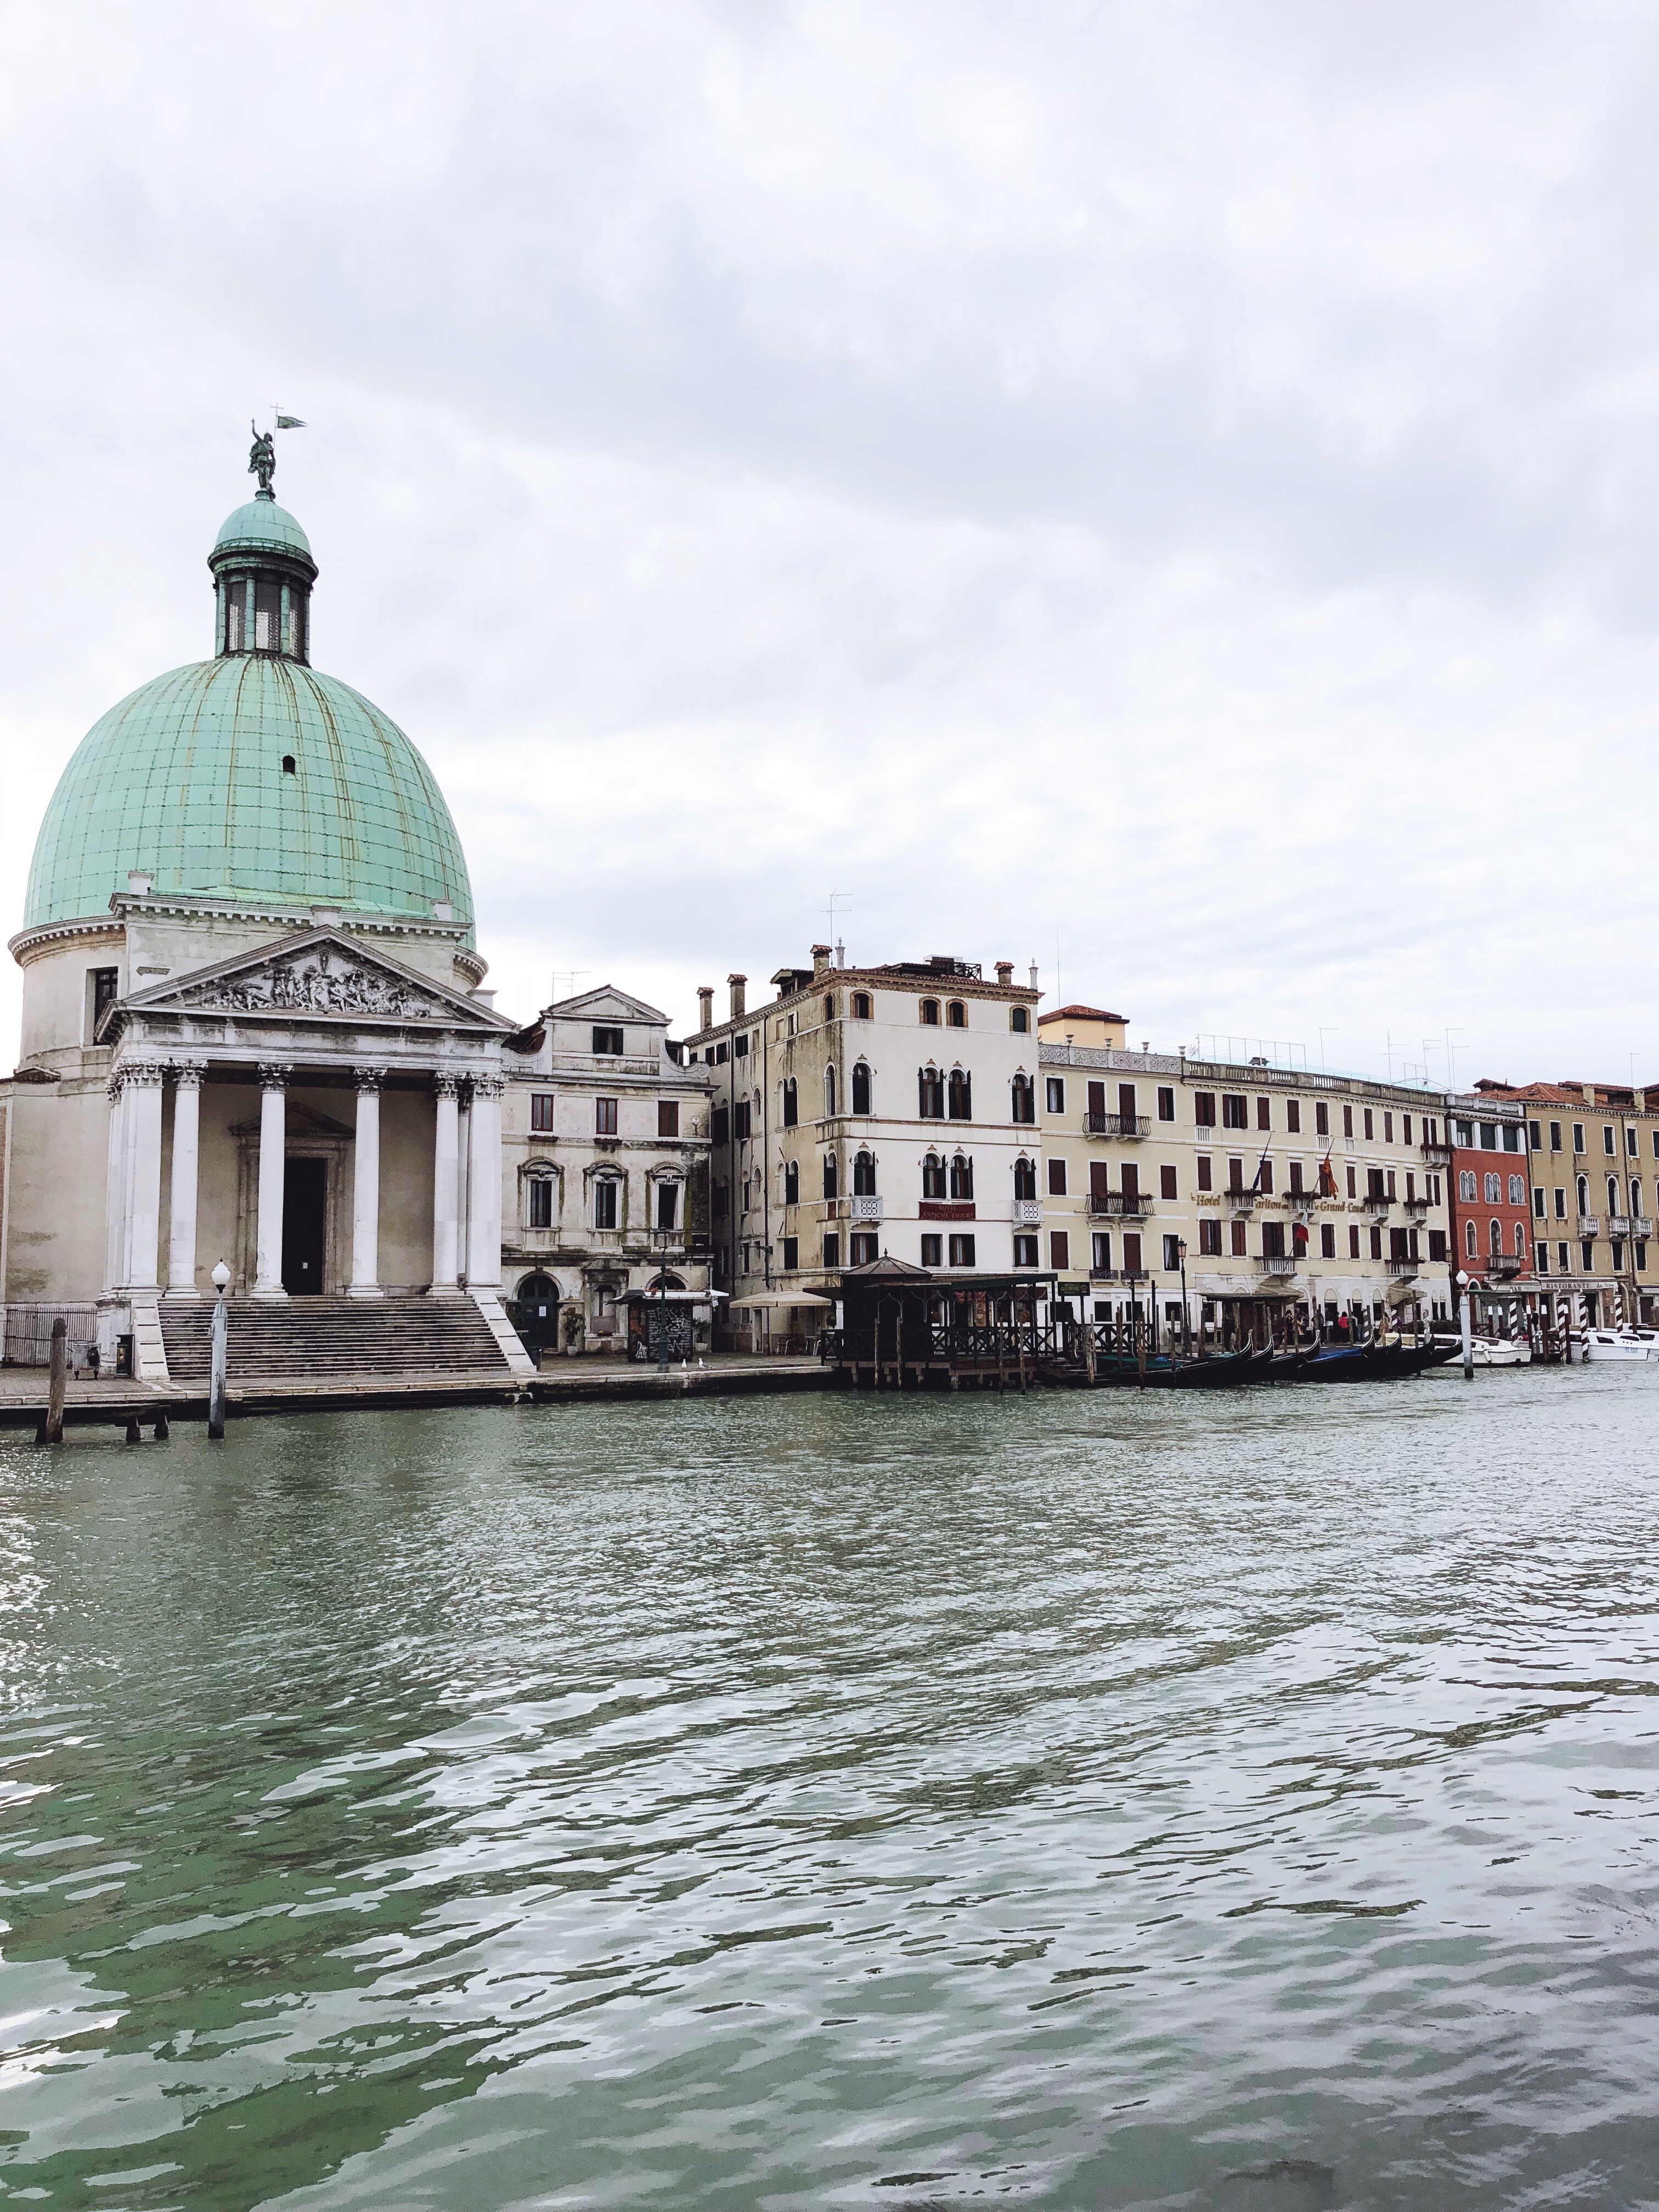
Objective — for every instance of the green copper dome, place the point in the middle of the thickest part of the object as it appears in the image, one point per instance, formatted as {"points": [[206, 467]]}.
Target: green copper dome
{"points": [[186, 780], [250, 776]]}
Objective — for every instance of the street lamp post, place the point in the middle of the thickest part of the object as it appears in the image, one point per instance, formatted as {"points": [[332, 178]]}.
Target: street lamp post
{"points": [[663, 1237], [1463, 1308], [1186, 1314], [216, 1378]]}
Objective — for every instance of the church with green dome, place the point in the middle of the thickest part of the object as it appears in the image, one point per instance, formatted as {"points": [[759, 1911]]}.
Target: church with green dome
{"points": [[253, 998]]}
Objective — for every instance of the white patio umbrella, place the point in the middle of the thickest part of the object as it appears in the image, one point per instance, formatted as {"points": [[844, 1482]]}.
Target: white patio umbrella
{"points": [[775, 1301]]}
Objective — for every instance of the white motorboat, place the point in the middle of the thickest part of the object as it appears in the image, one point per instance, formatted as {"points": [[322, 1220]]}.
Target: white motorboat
{"points": [[1617, 1344], [1500, 1352]]}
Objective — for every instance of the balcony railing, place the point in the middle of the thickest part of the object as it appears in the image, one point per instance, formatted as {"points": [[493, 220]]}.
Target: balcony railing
{"points": [[1419, 1207], [1118, 1125], [1590, 1224], [1123, 1205], [1274, 1263], [1028, 1213], [1436, 1155], [1378, 1200], [866, 1209], [1618, 1224], [1104, 1275], [1240, 1200], [1640, 1226], [1404, 1267], [1504, 1264]]}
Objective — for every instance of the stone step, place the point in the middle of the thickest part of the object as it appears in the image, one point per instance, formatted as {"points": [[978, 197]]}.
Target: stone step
{"points": [[322, 1337]]}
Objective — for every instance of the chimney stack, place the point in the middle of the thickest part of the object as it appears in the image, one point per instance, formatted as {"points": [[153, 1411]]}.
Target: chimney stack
{"points": [[1005, 973], [739, 999], [705, 1005], [820, 959]]}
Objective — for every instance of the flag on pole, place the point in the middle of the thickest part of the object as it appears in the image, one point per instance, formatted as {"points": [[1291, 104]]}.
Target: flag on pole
{"points": [[289, 422]]}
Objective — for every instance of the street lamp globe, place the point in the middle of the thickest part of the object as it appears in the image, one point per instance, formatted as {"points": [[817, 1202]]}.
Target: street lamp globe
{"points": [[221, 1278]]}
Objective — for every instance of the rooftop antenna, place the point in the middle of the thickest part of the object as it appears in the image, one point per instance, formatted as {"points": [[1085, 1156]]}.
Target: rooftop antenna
{"points": [[572, 973], [1451, 1060], [837, 898]]}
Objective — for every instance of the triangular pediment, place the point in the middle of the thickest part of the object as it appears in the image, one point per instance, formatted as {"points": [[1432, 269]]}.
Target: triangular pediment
{"points": [[299, 1121], [322, 975], [606, 1003]]}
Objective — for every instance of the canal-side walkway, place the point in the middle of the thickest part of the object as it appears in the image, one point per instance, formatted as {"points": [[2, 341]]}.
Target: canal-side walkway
{"points": [[116, 1402]]}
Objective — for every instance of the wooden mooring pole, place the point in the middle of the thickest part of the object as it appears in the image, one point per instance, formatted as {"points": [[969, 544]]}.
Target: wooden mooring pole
{"points": [[50, 1431]]}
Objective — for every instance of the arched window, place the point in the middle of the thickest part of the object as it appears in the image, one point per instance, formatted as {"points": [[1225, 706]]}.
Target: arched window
{"points": [[956, 1015], [1020, 1020], [829, 1005], [790, 1109], [792, 1182], [540, 1293], [932, 1177], [860, 1087], [1635, 1194], [1517, 1190], [961, 1176], [830, 1178], [1024, 1177], [1520, 1241], [829, 1090], [861, 1005], [1583, 1196], [1468, 1238], [864, 1175], [1025, 1094], [929, 1011], [1495, 1237], [607, 1201], [961, 1094], [930, 1085], [1494, 1188], [1613, 1193], [1465, 1185]]}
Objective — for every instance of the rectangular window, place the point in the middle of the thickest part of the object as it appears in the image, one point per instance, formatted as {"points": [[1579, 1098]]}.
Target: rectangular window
{"points": [[668, 1117], [1555, 1136], [1056, 1178], [1238, 1230], [1587, 1249], [541, 1109], [1131, 1253], [720, 1126], [1055, 1095], [1264, 1112], [604, 1117], [1025, 1251], [961, 1251], [932, 1250], [1264, 1182], [1272, 1240], [1560, 1202], [1165, 1102], [1370, 1129], [789, 1105], [1631, 1144], [1436, 1244], [668, 1205], [1327, 1241], [1392, 1192], [1405, 1128], [1642, 1258], [740, 1051], [1387, 1128], [1353, 1243], [541, 1202], [1209, 1236], [791, 1255], [1060, 1248], [832, 1248], [745, 1111], [1538, 1203], [1377, 1243], [863, 1247], [1511, 1136], [1293, 1116], [1102, 1263], [1347, 1120], [1166, 1180], [1129, 1175], [1171, 1255], [1235, 1111], [1543, 1257], [1561, 1259], [1352, 1190], [1128, 1112], [1204, 1172], [720, 1053], [1578, 1136], [1321, 1118], [1204, 1109], [607, 1040], [1607, 1143], [604, 1203], [1296, 1178]]}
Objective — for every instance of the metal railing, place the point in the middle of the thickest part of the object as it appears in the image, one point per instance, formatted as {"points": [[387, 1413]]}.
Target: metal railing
{"points": [[1403, 1266], [1418, 1206], [1241, 1200], [1504, 1263], [1119, 1204], [1378, 1200], [1118, 1125], [1274, 1263], [1437, 1156]]}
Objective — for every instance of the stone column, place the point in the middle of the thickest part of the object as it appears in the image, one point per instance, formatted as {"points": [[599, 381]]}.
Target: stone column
{"points": [[484, 1242], [144, 1207], [273, 1161], [115, 1183], [445, 1173], [365, 1187], [463, 1185], [186, 1152]]}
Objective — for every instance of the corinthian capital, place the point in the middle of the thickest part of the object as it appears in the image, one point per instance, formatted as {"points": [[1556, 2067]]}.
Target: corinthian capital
{"points": [[188, 1073], [275, 1074], [446, 1084], [488, 1086], [368, 1078]]}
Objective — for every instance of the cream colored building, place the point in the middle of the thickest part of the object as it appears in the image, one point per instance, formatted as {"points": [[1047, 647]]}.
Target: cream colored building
{"points": [[606, 1138], [1296, 1196], [866, 1112], [1593, 1171]]}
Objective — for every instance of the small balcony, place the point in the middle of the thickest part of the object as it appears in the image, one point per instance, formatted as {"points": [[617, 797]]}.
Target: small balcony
{"points": [[1640, 1226], [1240, 1201], [1028, 1213], [1273, 1263], [1435, 1155], [1501, 1266], [1404, 1269], [1618, 1225], [1118, 1125], [1590, 1224], [1105, 1275], [1417, 1207], [1375, 1201], [865, 1209], [1119, 1204]]}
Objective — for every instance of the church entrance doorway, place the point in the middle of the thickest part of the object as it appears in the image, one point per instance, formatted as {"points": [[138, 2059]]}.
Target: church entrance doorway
{"points": [[305, 1218]]}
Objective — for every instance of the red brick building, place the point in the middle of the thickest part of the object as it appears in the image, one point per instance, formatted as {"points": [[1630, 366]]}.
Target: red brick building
{"points": [[1490, 1192]]}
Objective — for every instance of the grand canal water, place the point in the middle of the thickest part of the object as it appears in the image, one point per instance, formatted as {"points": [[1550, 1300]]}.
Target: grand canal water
{"points": [[1077, 1801]]}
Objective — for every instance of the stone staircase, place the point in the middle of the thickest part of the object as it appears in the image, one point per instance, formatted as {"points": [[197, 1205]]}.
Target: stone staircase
{"points": [[316, 1339]]}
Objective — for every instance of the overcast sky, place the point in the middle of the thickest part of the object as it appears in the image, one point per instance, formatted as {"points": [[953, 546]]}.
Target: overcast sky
{"points": [[1168, 492]]}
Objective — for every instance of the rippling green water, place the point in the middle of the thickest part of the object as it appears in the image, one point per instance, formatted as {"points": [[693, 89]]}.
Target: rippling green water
{"points": [[1079, 1801]]}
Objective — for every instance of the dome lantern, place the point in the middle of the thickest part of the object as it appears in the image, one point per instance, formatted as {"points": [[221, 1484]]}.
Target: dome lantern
{"points": [[262, 572]]}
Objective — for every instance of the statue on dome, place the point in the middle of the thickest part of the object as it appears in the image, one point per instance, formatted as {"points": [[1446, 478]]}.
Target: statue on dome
{"points": [[262, 460]]}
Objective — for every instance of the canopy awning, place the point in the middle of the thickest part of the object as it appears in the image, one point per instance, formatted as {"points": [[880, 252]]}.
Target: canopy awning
{"points": [[779, 1301]]}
